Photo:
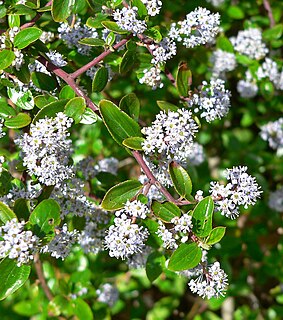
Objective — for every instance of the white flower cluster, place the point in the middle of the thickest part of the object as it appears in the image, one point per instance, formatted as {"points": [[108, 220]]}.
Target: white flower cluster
{"points": [[46, 149], [133, 209], [182, 227], [109, 165], [199, 27], [125, 238], [163, 51], [275, 200], [47, 36], [153, 6], [152, 78], [2, 133], [216, 3], [92, 237], [72, 35], [269, 69], [61, 245], [160, 170], [2, 160], [71, 198], [211, 284], [212, 100], [249, 42], [56, 58], [241, 190], [170, 134], [5, 41], [247, 88], [16, 243], [107, 293], [222, 62], [273, 133], [126, 19]]}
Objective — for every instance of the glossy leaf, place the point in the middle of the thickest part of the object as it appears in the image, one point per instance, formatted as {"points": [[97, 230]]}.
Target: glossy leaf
{"points": [[43, 100], [224, 44], [166, 211], [12, 277], [131, 105], [5, 181], [45, 217], [112, 26], [6, 110], [202, 217], [117, 196], [75, 108], [51, 110], [6, 214], [43, 81], [181, 180], [118, 123], [92, 42], [67, 93], [154, 265], [273, 33], [100, 79], [61, 9], [166, 106], [26, 36], [88, 117], [187, 256], [134, 143], [142, 11], [215, 235], [21, 99], [6, 58], [21, 120], [128, 61], [183, 79], [153, 33], [82, 310]]}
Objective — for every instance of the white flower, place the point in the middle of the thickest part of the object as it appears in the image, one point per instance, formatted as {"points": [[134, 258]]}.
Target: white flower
{"points": [[167, 236], [275, 200], [153, 6], [56, 58], [152, 78], [163, 51], [136, 209], [107, 293], [2, 134], [222, 62], [273, 133]]}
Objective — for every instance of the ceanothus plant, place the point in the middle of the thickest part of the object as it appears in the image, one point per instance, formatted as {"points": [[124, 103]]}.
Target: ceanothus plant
{"points": [[57, 58]]}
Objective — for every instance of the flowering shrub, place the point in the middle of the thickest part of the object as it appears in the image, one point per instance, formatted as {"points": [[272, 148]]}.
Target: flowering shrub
{"points": [[120, 122]]}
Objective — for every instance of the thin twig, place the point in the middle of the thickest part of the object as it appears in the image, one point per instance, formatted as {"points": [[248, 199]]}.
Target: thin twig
{"points": [[99, 58], [70, 81], [269, 12], [34, 20], [40, 275]]}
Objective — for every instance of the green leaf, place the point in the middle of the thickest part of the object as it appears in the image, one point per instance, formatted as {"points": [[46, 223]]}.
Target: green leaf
{"points": [[42, 100], [67, 93], [61, 9], [75, 108], [21, 99], [95, 22], [43, 81], [244, 60], [21, 120], [131, 105], [21, 209], [5, 181], [235, 12], [12, 277], [14, 21], [6, 214], [166, 106], [82, 310], [128, 61], [118, 123], [6, 58], [100, 79], [224, 44], [110, 39], [154, 265], [267, 89], [6, 110], [60, 305], [112, 26], [187, 256], [45, 217], [51, 110], [26, 36], [183, 79], [165, 211], [117, 196], [153, 33], [202, 217], [134, 143], [215, 235], [181, 180], [88, 117], [92, 42], [142, 11]]}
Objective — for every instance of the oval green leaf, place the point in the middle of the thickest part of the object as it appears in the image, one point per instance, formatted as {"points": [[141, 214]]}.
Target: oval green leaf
{"points": [[75, 108], [183, 79], [134, 143], [6, 214], [100, 79], [6, 58], [43, 81], [165, 211], [128, 61], [61, 9], [112, 26], [88, 117], [21, 120], [154, 265], [166, 106], [131, 105], [202, 217], [13, 277], [21, 99], [117, 196], [187, 256], [118, 123], [215, 235], [26, 36], [181, 180], [92, 42], [50, 110], [6, 110]]}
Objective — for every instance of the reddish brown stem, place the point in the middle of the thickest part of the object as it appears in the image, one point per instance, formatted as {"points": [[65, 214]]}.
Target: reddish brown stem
{"points": [[34, 20], [98, 59], [269, 12]]}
